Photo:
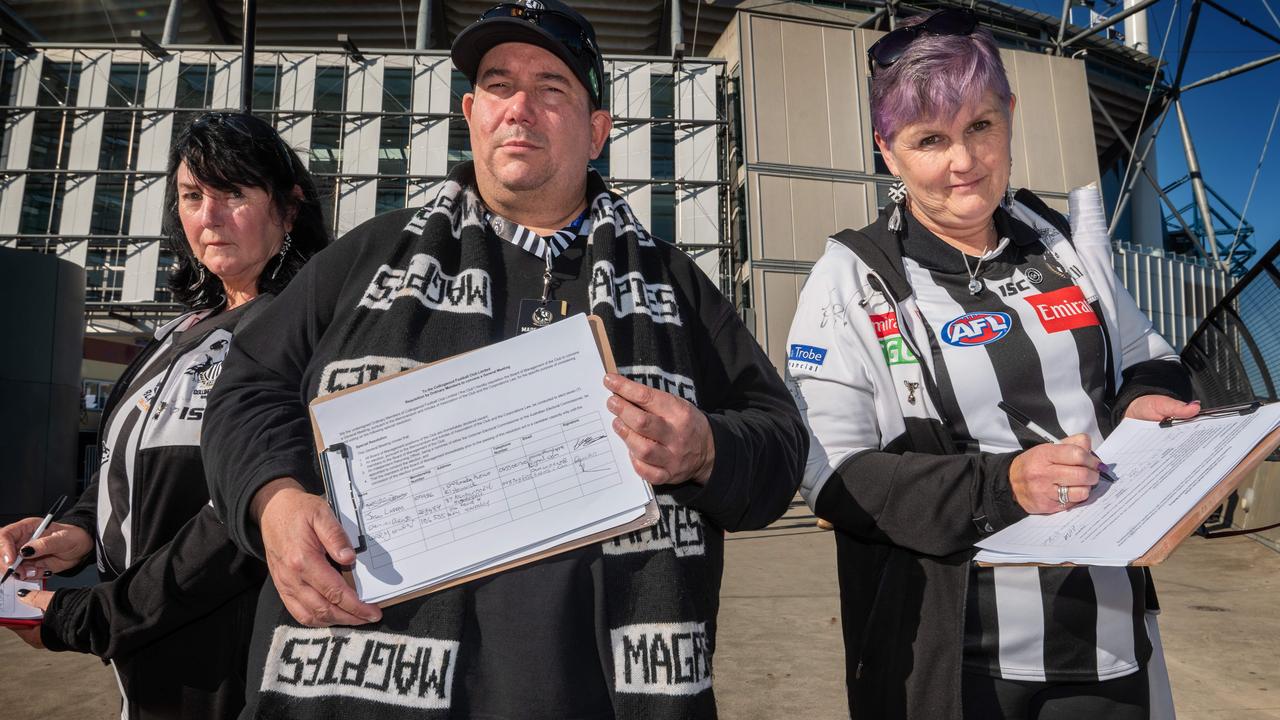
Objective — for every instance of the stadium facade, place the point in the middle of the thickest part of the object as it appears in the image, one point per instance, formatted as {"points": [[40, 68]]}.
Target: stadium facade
{"points": [[741, 132]]}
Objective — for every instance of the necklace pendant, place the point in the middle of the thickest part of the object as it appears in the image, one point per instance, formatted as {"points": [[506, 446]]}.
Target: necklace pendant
{"points": [[975, 286]]}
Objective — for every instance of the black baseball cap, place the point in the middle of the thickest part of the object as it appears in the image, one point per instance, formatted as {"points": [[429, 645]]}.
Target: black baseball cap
{"points": [[549, 24]]}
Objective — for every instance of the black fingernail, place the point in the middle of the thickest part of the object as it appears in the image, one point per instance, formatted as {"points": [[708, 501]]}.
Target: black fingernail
{"points": [[47, 573], [23, 592], [28, 551]]}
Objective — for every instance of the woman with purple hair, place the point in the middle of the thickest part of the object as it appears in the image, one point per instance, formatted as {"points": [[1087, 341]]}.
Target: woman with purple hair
{"points": [[964, 294]]}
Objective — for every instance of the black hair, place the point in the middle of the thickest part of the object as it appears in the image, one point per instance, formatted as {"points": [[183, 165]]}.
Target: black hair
{"points": [[227, 150]]}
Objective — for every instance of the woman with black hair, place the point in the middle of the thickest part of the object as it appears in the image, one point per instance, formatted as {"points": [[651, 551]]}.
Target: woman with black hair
{"points": [[176, 599]]}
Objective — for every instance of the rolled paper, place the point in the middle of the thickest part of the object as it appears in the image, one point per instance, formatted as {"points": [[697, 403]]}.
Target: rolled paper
{"points": [[1088, 216]]}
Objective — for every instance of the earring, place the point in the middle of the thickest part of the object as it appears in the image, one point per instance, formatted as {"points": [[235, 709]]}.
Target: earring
{"points": [[1007, 202], [898, 195], [284, 250], [199, 276]]}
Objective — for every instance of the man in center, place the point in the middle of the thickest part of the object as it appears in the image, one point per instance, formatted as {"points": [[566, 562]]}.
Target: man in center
{"points": [[525, 234]]}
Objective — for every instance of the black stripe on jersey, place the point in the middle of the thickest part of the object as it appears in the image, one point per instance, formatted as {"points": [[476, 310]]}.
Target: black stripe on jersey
{"points": [[1037, 255], [946, 403], [1070, 623], [981, 625], [1143, 593], [114, 475], [1014, 359]]}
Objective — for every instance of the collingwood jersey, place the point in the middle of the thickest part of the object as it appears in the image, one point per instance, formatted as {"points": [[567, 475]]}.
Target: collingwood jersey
{"points": [[1028, 337]]}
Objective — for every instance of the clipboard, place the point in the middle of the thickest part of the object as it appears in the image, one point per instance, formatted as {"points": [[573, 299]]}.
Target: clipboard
{"points": [[1195, 517], [22, 622], [1198, 514], [335, 461]]}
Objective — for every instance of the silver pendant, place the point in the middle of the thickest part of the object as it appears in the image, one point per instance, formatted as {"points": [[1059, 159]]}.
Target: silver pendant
{"points": [[975, 286], [542, 317]]}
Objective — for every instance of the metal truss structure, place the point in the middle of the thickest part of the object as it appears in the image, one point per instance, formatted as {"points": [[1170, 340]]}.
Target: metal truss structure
{"points": [[1196, 223]]}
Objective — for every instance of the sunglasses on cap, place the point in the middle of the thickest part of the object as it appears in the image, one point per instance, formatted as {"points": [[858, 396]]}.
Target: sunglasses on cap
{"points": [[889, 49], [562, 27]]}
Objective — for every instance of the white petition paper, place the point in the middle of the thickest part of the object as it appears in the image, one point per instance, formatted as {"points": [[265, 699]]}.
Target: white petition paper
{"points": [[1161, 474], [497, 454], [11, 608]]}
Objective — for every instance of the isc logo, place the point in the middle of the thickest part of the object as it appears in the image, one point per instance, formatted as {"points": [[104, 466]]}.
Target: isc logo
{"points": [[976, 329]]}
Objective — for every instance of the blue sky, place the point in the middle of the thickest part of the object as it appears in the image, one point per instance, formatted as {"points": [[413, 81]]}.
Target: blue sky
{"points": [[1228, 119]]}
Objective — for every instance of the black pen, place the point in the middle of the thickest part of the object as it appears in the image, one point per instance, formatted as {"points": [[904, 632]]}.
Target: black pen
{"points": [[1022, 419], [39, 530]]}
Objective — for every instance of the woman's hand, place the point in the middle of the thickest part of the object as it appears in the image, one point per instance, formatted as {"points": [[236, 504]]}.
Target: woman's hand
{"points": [[30, 634], [1159, 407], [1036, 475], [60, 547]]}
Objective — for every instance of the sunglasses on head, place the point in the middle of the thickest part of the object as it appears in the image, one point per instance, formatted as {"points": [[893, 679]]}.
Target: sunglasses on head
{"points": [[561, 26], [889, 49]]}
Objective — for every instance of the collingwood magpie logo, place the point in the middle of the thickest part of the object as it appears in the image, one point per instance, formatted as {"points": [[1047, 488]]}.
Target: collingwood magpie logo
{"points": [[425, 281], [678, 528], [317, 663], [630, 293], [661, 658], [206, 368], [343, 374]]}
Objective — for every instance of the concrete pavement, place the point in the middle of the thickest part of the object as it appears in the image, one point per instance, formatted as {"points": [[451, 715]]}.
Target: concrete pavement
{"points": [[780, 655]]}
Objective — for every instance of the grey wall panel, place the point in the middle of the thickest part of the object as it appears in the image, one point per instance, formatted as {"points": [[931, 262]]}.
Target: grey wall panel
{"points": [[764, 107], [851, 203], [804, 93], [772, 234], [777, 293], [1038, 149], [1075, 129], [797, 215], [845, 98]]}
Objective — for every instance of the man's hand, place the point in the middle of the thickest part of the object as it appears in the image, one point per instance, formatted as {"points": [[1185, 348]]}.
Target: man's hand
{"points": [[60, 547], [1036, 475], [300, 534], [670, 440], [1159, 407]]}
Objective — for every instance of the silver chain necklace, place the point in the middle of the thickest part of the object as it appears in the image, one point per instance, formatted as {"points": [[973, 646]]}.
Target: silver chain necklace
{"points": [[975, 285]]}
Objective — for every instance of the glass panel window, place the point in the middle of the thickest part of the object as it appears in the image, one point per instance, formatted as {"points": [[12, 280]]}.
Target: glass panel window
{"points": [[601, 164], [104, 272], [266, 88], [50, 143], [459, 134], [662, 144], [164, 267], [393, 145], [6, 98], [195, 86], [113, 195], [326, 134]]}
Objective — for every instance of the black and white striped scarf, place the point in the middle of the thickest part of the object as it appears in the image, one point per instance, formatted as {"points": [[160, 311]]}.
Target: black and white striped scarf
{"points": [[660, 585]]}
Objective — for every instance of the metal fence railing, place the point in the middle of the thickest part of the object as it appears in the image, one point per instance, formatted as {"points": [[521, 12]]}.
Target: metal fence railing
{"points": [[1234, 355]]}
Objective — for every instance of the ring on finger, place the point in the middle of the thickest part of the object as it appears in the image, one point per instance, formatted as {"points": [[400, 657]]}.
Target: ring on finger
{"points": [[1063, 495]]}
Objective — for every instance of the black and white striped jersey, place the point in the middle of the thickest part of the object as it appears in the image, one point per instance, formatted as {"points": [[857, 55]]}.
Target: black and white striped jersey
{"points": [[156, 427], [1030, 338], [898, 370]]}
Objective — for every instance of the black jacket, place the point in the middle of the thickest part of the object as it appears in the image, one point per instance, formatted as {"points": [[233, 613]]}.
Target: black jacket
{"points": [[175, 622]]}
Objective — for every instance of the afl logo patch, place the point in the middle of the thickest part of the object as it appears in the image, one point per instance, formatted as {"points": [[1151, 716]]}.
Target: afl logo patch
{"points": [[976, 329]]}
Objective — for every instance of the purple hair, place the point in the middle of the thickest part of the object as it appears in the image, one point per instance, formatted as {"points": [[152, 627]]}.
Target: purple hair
{"points": [[935, 77]]}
